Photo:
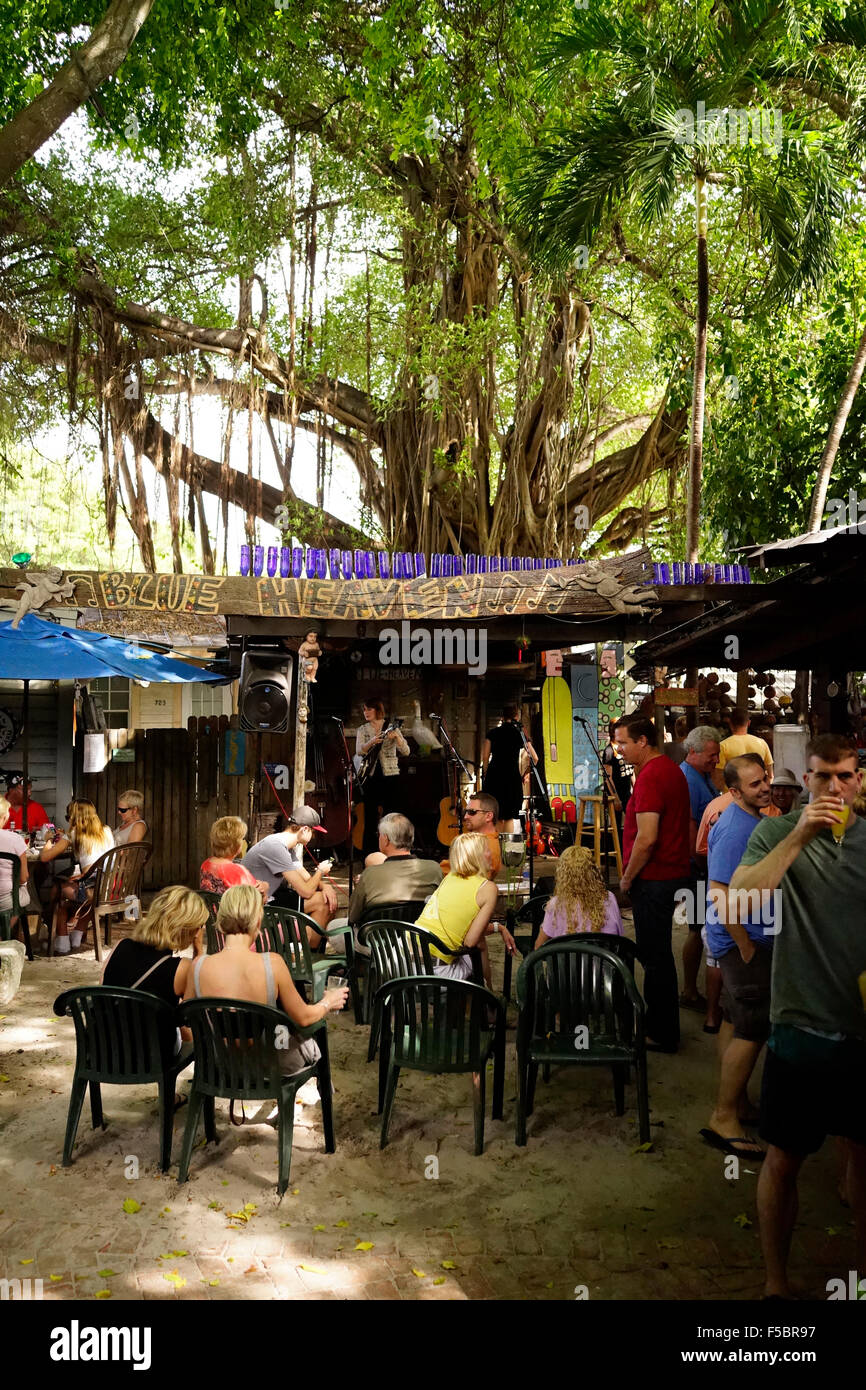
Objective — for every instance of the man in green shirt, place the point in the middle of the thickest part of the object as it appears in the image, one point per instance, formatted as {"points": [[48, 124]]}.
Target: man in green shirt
{"points": [[815, 1071]]}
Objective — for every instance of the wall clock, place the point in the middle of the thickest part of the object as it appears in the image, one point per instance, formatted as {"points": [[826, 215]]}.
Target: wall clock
{"points": [[8, 730]]}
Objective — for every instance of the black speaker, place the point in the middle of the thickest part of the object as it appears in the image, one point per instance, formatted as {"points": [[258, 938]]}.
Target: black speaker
{"points": [[265, 691]]}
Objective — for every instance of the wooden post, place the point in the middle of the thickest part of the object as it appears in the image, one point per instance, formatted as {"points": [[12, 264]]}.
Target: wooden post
{"points": [[301, 711], [692, 711], [659, 673], [742, 697]]}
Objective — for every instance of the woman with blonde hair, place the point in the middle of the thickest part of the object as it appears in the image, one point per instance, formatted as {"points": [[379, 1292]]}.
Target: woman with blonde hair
{"points": [[460, 912], [148, 959], [221, 871], [86, 840], [237, 972], [581, 901]]}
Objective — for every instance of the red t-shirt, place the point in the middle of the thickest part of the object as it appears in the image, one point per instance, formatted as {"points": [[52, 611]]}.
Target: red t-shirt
{"points": [[660, 787], [36, 816], [218, 875]]}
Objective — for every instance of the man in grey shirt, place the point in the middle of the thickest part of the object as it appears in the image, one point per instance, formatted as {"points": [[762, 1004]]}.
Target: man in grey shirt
{"points": [[401, 878], [815, 1071], [278, 861]]}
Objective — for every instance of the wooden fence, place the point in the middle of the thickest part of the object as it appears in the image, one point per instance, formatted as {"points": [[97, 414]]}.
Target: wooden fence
{"points": [[181, 774]]}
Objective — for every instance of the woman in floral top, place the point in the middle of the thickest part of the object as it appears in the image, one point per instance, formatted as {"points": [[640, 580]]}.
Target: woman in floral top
{"points": [[221, 872], [581, 901]]}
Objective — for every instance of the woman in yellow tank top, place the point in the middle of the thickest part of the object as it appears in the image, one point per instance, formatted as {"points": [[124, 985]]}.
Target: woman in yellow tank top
{"points": [[460, 911]]}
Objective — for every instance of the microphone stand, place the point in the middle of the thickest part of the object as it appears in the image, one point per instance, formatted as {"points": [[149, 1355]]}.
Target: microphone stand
{"points": [[530, 811], [455, 759], [606, 812], [349, 771]]}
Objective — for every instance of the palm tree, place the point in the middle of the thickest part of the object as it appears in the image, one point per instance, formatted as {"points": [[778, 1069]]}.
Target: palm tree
{"points": [[679, 103]]}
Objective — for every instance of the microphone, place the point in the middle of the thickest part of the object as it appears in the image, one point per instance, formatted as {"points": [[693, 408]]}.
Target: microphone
{"points": [[336, 718], [435, 716], [578, 719]]}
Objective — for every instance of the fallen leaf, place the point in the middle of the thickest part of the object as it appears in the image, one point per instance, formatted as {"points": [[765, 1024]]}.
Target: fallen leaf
{"points": [[215, 1206], [341, 1223], [250, 1206], [295, 1191], [318, 1228], [131, 1206], [252, 1270], [238, 1216], [550, 1285], [211, 1283], [742, 1220], [106, 1273], [225, 1182], [834, 1230], [643, 1148], [56, 1278], [311, 1270], [448, 1264], [369, 1213], [419, 1274], [27, 1262], [102, 1293], [166, 1208], [364, 1245], [285, 1223], [52, 1171], [440, 1280], [230, 1260], [3, 1076], [175, 1278]]}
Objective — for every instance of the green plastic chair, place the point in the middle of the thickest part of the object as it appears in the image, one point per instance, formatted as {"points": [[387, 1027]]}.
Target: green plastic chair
{"points": [[117, 1034], [518, 920], [236, 1058], [437, 1025], [15, 912], [399, 950], [211, 901], [571, 984], [365, 986]]}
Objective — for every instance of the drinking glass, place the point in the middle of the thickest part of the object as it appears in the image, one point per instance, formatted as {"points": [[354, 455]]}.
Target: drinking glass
{"points": [[841, 820]]}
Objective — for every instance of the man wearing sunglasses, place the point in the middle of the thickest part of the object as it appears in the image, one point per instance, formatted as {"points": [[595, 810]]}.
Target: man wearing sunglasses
{"points": [[132, 827]]}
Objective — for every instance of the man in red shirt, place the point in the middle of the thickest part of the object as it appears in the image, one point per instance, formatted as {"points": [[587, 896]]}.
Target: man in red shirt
{"points": [[36, 814], [655, 855]]}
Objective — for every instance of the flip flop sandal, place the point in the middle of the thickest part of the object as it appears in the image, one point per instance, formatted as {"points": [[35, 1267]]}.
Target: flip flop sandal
{"points": [[739, 1147]]}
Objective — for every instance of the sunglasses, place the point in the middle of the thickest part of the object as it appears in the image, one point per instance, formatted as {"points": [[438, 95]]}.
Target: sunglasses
{"points": [[123, 809]]}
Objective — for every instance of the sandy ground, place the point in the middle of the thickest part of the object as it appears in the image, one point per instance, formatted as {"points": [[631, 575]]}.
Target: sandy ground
{"points": [[577, 1208]]}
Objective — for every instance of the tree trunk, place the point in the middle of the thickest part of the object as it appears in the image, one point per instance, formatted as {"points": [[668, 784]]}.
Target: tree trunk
{"points": [[831, 448], [89, 66], [696, 443]]}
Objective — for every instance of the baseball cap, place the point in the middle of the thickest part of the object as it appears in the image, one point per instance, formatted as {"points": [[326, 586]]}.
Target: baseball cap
{"points": [[305, 815], [16, 779], [785, 778]]}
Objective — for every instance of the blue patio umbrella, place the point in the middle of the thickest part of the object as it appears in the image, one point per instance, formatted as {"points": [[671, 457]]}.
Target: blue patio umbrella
{"points": [[41, 650]]}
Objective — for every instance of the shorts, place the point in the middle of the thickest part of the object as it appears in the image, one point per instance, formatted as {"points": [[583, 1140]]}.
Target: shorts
{"points": [[459, 969], [746, 993], [801, 1103]]}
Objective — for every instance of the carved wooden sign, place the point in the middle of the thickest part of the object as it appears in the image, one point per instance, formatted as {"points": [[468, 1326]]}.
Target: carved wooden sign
{"points": [[591, 589]]}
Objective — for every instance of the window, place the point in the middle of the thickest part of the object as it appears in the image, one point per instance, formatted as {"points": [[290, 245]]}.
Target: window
{"points": [[209, 700], [112, 692]]}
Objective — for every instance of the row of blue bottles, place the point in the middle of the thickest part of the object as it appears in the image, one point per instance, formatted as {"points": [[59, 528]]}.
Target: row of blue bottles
{"points": [[318, 563], [682, 573]]}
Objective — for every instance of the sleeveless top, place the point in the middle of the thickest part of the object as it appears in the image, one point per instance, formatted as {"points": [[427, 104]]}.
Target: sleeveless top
{"points": [[451, 911], [122, 836], [269, 979]]}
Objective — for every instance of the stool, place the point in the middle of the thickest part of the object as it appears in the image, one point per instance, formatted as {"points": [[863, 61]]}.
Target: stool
{"points": [[597, 804]]}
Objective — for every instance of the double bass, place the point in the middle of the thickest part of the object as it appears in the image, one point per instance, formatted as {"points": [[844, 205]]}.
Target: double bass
{"points": [[328, 796]]}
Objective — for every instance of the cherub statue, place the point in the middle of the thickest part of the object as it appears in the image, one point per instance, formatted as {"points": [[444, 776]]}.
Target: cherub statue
{"points": [[39, 589], [309, 651]]}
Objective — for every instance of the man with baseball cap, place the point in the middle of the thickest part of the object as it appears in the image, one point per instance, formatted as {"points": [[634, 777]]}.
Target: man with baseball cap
{"points": [[278, 860], [36, 813]]}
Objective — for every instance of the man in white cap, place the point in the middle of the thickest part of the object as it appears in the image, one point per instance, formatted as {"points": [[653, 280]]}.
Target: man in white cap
{"points": [[784, 792], [278, 860]]}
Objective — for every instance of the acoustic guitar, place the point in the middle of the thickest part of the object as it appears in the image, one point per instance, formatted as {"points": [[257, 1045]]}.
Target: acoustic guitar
{"points": [[371, 757]]}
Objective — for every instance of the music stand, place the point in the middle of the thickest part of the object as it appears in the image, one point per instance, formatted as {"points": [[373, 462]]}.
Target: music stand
{"points": [[349, 773], [454, 758]]}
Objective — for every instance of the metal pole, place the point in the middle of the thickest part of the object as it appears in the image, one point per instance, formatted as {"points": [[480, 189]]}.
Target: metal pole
{"points": [[25, 715]]}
